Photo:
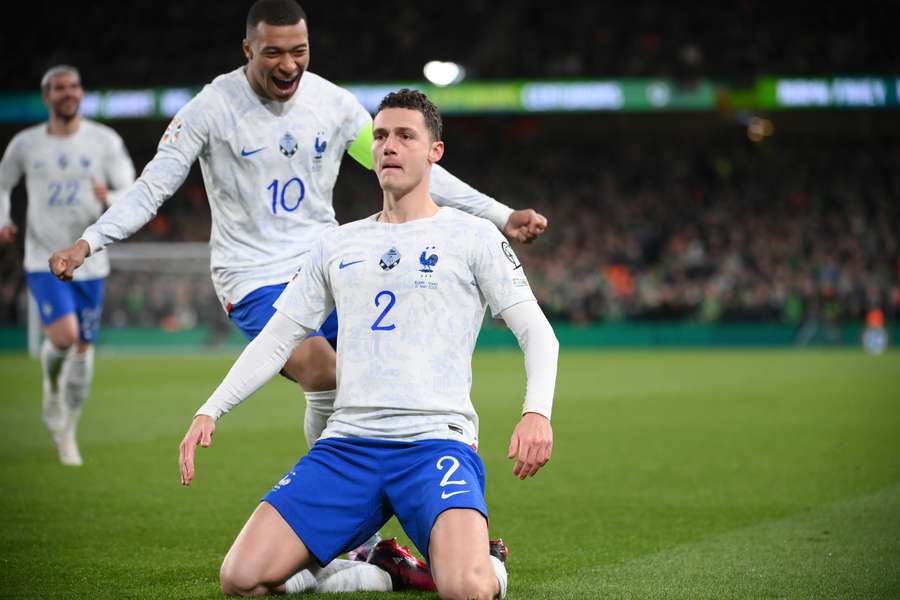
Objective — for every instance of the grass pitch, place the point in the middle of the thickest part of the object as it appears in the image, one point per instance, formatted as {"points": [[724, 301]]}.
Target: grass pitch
{"points": [[675, 475]]}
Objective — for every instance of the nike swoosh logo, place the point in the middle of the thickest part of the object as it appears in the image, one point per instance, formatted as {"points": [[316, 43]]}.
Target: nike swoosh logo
{"points": [[344, 265], [445, 495], [251, 152]]}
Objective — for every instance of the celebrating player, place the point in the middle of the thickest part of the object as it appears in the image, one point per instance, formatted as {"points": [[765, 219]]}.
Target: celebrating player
{"points": [[68, 163], [270, 137], [411, 284]]}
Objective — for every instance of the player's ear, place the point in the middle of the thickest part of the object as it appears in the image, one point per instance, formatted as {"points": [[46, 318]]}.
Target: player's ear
{"points": [[247, 48], [436, 152]]}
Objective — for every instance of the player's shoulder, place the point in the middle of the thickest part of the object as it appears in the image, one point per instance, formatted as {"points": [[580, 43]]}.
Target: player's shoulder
{"points": [[353, 228], [226, 89], [27, 137], [316, 88]]}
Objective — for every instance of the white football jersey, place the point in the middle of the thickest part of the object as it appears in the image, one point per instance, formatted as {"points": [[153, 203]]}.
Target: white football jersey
{"points": [[410, 298], [269, 169], [61, 200]]}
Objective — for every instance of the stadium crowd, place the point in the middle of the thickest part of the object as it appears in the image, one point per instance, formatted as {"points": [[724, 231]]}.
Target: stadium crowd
{"points": [[505, 39]]}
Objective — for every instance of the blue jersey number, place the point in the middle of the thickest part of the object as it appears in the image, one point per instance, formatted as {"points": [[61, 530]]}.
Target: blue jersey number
{"points": [[391, 299], [289, 195], [63, 193]]}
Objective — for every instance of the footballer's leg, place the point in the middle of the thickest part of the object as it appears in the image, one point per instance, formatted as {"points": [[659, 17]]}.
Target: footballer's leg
{"points": [[461, 563], [78, 372], [60, 337], [264, 557]]}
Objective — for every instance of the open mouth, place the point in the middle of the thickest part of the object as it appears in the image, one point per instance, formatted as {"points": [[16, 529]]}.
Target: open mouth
{"points": [[284, 85]]}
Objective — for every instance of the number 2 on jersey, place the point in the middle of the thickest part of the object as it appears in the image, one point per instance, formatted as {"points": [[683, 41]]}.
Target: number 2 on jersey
{"points": [[290, 200], [391, 299]]}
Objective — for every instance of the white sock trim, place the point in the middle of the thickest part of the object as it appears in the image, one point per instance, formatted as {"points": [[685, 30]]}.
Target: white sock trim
{"points": [[302, 581]]}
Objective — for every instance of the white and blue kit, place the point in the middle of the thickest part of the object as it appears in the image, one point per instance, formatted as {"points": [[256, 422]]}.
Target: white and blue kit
{"points": [[58, 171], [269, 168], [403, 434]]}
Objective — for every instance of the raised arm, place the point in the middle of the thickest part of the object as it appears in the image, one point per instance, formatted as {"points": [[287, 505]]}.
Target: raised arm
{"points": [[183, 141]]}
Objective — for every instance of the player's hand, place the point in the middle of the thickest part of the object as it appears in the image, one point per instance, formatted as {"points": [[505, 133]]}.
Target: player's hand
{"points": [[8, 233], [198, 434], [101, 192], [525, 225], [64, 262], [531, 444]]}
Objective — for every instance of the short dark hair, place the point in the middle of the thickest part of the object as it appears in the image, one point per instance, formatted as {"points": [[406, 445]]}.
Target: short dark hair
{"points": [[274, 12], [416, 100]]}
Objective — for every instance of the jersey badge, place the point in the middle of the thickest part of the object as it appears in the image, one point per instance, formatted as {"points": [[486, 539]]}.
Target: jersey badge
{"points": [[63, 161], [287, 144], [170, 135], [390, 259], [319, 145], [510, 255], [85, 162], [428, 261]]}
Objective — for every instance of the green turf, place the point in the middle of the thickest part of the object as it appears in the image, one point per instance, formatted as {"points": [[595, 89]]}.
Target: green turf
{"points": [[675, 475]]}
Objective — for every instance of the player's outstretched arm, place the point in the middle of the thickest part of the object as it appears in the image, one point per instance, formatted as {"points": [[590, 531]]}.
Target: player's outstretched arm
{"points": [[531, 444], [261, 360]]}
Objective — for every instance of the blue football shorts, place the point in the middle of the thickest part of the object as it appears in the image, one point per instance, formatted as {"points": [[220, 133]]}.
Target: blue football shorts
{"points": [[346, 489], [256, 308], [56, 299]]}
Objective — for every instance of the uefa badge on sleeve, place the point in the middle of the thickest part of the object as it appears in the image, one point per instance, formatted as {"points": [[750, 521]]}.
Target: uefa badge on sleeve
{"points": [[170, 136]]}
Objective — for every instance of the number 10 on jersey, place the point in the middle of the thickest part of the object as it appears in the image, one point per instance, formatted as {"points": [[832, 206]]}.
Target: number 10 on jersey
{"points": [[287, 195]]}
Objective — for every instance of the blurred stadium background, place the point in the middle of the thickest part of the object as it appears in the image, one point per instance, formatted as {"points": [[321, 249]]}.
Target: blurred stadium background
{"points": [[721, 175]]}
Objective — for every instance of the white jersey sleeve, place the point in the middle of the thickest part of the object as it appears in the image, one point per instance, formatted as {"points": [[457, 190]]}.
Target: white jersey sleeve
{"points": [[498, 272], [541, 349], [182, 142], [448, 190], [10, 172], [260, 361], [307, 300]]}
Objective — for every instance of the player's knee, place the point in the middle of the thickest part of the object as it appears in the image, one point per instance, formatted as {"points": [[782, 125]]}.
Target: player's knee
{"points": [[237, 581], [63, 338], [470, 583]]}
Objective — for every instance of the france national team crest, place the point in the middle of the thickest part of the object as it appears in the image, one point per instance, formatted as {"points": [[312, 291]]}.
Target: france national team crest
{"points": [[319, 145], [428, 260], [390, 259], [85, 162], [63, 161], [288, 144]]}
